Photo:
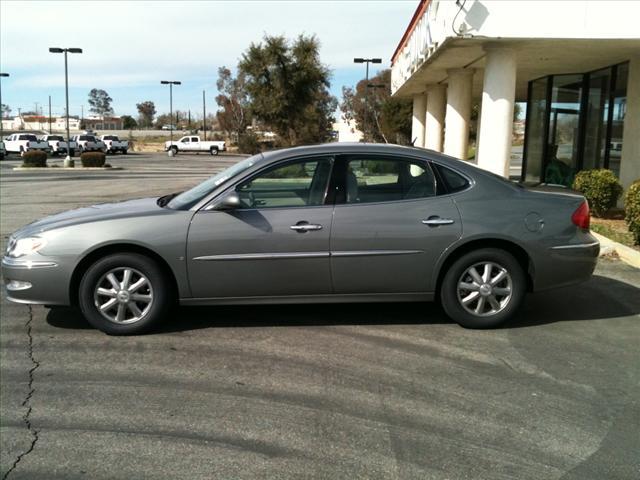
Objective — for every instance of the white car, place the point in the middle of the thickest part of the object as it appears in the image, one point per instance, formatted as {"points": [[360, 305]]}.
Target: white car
{"points": [[59, 145], [24, 142], [114, 144], [168, 127], [89, 143], [194, 144]]}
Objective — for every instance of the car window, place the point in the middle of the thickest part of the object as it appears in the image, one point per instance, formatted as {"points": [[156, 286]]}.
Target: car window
{"points": [[375, 179], [453, 180], [295, 184], [185, 140], [31, 138], [194, 139]]}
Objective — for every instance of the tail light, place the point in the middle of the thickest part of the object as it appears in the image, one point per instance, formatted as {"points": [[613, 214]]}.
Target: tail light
{"points": [[581, 217]]}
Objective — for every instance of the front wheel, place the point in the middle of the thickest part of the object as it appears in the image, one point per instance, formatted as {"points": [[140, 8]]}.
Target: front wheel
{"points": [[213, 150], [483, 288], [124, 294], [172, 152]]}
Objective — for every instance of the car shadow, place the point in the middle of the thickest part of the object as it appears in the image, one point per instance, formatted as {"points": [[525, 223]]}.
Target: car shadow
{"points": [[599, 298]]}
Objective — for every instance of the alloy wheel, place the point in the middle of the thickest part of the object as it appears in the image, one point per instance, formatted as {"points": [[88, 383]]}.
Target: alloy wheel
{"points": [[484, 289], [123, 295]]}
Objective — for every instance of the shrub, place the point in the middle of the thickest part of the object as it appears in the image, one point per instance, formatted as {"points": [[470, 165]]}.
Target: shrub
{"points": [[34, 158], [93, 159], [600, 187], [248, 143], [632, 210]]}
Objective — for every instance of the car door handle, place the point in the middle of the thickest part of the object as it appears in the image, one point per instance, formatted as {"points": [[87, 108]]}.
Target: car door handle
{"points": [[437, 221], [305, 227]]}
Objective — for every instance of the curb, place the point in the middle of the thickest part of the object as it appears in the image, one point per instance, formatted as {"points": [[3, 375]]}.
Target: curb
{"points": [[67, 169], [626, 254]]}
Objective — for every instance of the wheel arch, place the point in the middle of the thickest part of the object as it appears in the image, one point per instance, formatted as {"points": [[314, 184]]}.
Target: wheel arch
{"points": [[100, 252], [519, 253]]}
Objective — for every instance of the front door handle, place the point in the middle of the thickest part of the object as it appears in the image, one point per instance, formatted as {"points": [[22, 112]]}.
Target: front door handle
{"points": [[437, 221], [305, 227]]}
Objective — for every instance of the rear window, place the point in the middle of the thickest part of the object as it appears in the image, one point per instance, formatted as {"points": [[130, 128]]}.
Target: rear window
{"points": [[111, 137], [88, 138], [453, 180], [55, 138], [31, 138]]}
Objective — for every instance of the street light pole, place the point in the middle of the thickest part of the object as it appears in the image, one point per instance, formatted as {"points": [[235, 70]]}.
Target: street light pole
{"points": [[67, 160], [204, 116], [366, 88], [171, 83], [50, 131], [1, 111]]}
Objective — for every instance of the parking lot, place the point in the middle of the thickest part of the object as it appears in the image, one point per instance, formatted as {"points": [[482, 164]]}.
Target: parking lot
{"points": [[329, 391]]}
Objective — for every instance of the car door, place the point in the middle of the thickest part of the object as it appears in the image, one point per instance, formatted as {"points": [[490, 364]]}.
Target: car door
{"points": [[275, 244], [185, 144], [390, 226], [196, 144]]}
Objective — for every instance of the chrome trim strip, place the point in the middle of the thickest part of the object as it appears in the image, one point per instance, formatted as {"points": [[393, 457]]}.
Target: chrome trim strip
{"points": [[262, 256], [367, 253], [27, 264], [579, 245]]}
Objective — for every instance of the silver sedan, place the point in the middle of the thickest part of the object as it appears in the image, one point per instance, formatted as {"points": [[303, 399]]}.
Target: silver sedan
{"points": [[328, 223]]}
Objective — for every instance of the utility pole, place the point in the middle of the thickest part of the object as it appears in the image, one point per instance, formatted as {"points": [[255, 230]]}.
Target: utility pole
{"points": [[189, 118], [2, 111], [366, 88], [171, 83], [204, 116], [50, 131]]}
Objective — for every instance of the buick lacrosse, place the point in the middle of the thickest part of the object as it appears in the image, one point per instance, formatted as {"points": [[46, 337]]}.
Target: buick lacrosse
{"points": [[328, 223]]}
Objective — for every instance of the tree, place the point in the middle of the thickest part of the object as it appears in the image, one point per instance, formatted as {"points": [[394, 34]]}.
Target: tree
{"points": [[128, 122], [380, 117], [233, 114], [5, 111], [146, 112], [288, 88], [100, 102]]}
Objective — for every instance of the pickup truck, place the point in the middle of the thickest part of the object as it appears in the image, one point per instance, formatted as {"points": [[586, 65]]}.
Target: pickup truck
{"points": [[193, 144], [114, 144], [89, 143], [23, 142], [59, 145]]}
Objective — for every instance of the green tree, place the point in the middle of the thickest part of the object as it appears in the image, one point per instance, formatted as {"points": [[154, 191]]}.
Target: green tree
{"points": [[380, 117], [128, 122], [100, 102], [146, 112], [288, 88], [5, 110], [233, 100]]}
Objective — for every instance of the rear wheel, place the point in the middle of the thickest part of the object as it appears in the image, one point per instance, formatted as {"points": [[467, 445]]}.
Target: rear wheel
{"points": [[483, 288], [213, 150], [124, 294]]}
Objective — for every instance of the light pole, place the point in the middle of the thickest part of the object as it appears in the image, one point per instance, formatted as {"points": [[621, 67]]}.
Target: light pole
{"points": [[366, 90], [67, 160], [204, 117], [1, 111], [171, 83]]}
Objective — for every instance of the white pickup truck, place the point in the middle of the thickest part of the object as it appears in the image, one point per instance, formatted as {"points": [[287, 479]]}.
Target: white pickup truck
{"points": [[114, 144], [194, 144], [89, 143], [59, 145], [23, 142]]}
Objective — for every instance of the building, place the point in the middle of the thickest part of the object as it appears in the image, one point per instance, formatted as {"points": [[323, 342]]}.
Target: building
{"points": [[346, 130], [39, 123], [100, 123], [576, 64]]}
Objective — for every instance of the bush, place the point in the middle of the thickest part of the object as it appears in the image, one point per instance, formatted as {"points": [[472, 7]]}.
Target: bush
{"points": [[632, 210], [600, 187], [93, 159], [248, 143], [34, 158]]}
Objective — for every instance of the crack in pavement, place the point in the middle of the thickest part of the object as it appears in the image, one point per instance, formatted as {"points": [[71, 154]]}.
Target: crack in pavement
{"points": [[27, 401]]}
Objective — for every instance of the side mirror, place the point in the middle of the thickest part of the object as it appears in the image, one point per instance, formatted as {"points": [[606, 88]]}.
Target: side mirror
{"points": [[230, 201]]}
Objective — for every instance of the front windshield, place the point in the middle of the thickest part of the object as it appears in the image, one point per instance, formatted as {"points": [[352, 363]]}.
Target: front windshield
{"points": [[191, 197]]}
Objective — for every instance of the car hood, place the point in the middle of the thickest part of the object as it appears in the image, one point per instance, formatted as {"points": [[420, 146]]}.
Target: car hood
{"points": [[95, 213]]}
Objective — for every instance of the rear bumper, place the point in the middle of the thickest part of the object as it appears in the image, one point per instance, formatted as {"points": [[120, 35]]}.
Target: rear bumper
{"points": [[567, 264]]}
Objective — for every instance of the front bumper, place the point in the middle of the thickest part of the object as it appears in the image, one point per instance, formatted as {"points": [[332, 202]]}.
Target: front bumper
{"points": [[35, 281]]}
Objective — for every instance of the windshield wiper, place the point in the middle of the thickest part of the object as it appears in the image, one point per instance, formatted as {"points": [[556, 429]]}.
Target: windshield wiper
{"points": [[162, 201]]}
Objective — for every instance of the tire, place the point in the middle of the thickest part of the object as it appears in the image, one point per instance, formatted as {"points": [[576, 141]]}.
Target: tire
{"points": [[173, 151], [153, 300], [491, 305], [22, 151], [125, 151], [213, 150]]}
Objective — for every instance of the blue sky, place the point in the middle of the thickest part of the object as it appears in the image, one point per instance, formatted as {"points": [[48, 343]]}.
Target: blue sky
{"points": [[130, 46]]}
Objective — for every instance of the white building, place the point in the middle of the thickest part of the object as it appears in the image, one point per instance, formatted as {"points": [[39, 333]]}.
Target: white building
{"points": [[39, 123], [576, 64]]}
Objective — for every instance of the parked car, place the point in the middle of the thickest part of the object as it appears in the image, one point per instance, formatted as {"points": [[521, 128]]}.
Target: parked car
{"points": [[168, 127], [89, 143], [3, 150], [58, 144], [114, 144], [328, 223], [192, 143], [23, 142]]}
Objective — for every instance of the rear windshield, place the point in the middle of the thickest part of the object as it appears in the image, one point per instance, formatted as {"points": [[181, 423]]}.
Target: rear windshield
{"points": [[31, 138], [110, 137], [55, 138], [87, 137]]}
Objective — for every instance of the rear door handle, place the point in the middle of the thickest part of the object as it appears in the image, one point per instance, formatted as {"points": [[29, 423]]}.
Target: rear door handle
{"points": [[305, 227], [437, 221]]}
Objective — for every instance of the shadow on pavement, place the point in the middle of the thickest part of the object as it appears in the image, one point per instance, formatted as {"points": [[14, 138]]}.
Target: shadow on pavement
{"points": [[599, 298]]}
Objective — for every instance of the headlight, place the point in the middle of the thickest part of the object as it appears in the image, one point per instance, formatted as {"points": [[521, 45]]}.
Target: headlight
{"points": [[25, 246]]}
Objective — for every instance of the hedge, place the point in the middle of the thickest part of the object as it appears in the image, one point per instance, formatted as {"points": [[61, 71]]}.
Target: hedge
{"points": [[34, 158], [93, 159], [632, 210], [600, 187]]}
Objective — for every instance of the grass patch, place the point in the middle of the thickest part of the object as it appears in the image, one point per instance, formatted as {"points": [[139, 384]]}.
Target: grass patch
{"points": [[614, 230]]}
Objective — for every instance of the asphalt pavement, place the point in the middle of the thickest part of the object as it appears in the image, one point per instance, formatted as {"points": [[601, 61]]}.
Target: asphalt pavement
{"points": [[389, 391]]}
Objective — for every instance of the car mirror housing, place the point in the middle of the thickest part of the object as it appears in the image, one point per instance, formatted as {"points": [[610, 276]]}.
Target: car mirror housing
{"points": [[230, 201]]}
